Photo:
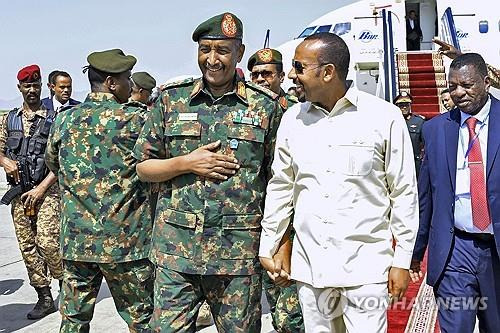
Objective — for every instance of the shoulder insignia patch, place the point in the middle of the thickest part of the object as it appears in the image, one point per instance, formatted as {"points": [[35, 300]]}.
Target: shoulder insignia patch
{"points": [[240, 90], [178, 83], [283, 102], [228, 26], [265, 55], [263, 90]]}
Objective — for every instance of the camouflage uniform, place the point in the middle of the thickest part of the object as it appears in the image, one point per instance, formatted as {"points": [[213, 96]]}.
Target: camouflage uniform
{"points": [[206, 233], [106, 225], [284, 302], [38, 236]]}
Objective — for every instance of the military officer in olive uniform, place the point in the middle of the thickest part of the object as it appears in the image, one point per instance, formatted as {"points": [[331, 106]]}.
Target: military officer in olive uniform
{"points": [[210, 142], [105, 221], [35, 210], [414, 123], [142, 87], [266, 67], [266, 70]]}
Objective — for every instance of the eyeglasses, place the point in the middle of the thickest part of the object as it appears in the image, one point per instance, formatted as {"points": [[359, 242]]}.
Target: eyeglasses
{"points": [[265, 75], [403, 105], [299, 67]]}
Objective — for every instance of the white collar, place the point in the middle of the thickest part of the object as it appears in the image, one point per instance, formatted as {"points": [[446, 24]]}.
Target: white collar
{"points": [[481, 116], [57, 105]]}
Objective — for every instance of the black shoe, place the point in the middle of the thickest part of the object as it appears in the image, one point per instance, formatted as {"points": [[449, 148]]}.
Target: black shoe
{"points": [[44, 306]]}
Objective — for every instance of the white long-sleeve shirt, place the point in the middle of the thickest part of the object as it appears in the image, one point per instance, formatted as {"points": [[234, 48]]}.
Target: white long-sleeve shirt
{"points": [[349, 177]]}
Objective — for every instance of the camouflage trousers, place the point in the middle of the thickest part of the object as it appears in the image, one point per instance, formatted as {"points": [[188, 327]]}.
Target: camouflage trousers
{"points": [[130, 284], [234, 301], [284, 305], [38, 239]]}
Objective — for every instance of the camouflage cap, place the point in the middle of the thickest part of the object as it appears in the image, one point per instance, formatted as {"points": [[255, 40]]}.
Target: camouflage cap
{"points": [[264, 57], [144, 80], [222, 26], [111, 61]]}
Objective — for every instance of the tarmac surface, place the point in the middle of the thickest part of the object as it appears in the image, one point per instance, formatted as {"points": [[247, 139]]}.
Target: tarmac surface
{"points": [[17, 297]]}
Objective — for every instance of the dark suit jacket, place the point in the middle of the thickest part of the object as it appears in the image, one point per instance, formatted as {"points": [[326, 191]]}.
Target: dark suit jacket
{"points": [[436, 187], [416, 28], [47, 102]]}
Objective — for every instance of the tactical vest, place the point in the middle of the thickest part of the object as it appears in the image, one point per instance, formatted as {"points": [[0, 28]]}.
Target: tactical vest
{"points": [[29, 150]]}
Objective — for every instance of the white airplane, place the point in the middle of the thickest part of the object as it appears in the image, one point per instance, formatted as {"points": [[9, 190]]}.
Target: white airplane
{"points": [[474, 26]]}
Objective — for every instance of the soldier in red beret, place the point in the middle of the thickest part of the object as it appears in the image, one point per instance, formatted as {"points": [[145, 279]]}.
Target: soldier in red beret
{"points": [[32, 193]]}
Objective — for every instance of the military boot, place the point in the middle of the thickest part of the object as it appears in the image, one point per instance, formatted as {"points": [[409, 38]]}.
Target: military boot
{"points": [[44, 306]]}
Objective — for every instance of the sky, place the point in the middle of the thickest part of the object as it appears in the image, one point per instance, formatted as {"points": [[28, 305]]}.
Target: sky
{"points": [[60, 34]]}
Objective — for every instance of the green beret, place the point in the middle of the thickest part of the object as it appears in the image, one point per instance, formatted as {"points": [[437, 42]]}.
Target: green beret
{"points": [[144, 80], [264, 57], [111, 61], [223, 26]]}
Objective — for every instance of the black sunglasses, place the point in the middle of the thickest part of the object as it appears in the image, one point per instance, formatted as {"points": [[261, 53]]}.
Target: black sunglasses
{"points": [[265, 75], [299, 67]]}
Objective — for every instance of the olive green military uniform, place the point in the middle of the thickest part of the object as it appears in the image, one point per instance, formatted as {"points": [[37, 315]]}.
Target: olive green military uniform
{"points": [[38, 236], [283, 302], [415, 123], [105, 221], [206, 233]]}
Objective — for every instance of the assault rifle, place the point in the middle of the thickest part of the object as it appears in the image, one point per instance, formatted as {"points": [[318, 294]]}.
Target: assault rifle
{"points": [[25, 184]]}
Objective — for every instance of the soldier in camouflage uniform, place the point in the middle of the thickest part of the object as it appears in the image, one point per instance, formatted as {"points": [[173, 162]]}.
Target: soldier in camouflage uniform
{"points": [[105, 222], [37, 235], [210, 142], [414, 122], [142, 88], [266, 69]]}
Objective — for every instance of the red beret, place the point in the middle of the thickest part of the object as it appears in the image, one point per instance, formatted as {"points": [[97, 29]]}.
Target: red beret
{"points": [[29, 74]]}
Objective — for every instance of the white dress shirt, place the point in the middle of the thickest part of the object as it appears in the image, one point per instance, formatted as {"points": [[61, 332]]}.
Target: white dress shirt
{"points": [[57, 105], [463, 207], [412, 23], [349, 177]]}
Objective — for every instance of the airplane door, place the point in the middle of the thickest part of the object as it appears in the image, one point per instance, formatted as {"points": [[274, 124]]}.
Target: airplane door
{"points": [[427, 23], [448, 31]]}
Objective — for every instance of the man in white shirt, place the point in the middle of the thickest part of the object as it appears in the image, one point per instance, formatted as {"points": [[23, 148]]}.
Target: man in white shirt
{"points": [[344, 166], [61, 87]]}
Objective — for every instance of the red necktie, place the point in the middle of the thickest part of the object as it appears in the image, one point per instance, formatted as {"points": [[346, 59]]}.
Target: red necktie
{"points": [[480, 212]]}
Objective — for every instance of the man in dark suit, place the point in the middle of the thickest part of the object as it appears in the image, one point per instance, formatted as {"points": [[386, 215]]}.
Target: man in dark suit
{"points": [[413, 32], [459, 194], [60, 85]]}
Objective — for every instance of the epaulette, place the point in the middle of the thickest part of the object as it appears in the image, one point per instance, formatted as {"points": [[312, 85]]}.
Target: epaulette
{"points": [[420, 116], [136, 104], [176, 84], [263, 90]]}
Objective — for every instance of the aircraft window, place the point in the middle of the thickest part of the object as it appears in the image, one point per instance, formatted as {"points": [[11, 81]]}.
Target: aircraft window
{"points": [[342, 28], [308, 31], [483, 26], [323, 28]]}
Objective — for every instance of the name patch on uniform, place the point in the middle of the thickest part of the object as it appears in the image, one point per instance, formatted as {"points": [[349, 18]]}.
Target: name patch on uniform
{"points": [[188, 116]]}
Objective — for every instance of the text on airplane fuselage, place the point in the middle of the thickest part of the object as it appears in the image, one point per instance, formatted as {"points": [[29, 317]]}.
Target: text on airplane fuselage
{"points": [[367, 36]]}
